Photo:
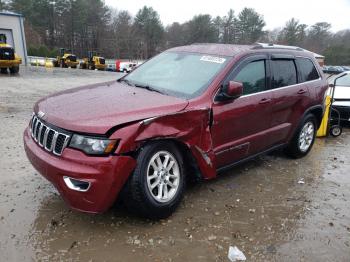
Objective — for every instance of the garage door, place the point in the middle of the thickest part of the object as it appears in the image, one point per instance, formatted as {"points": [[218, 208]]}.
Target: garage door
{"points": [[9, 36]]}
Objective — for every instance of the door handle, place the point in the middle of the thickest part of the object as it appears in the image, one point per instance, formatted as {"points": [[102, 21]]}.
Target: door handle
{"points": [[301, 91], [265, 101]]}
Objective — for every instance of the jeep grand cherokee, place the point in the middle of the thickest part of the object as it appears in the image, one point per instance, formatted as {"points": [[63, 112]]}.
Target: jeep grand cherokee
{"points": [[191, 111]]}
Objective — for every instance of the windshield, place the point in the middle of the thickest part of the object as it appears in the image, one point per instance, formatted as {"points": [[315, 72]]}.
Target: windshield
{"points": [[184, 75]]}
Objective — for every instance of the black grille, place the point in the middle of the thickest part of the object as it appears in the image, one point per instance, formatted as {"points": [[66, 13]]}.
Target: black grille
{"points": [[42, 134], [7, 53], [48, 137], [102, 61], [60, 142]]}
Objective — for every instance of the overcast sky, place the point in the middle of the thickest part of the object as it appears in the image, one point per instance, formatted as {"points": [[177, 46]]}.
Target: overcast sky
{"points": [[275, 12]]}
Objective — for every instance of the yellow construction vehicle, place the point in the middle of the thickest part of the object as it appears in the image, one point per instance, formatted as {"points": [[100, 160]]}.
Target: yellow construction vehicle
{"points": [[93, 61], [8, 58], [66, 59]]}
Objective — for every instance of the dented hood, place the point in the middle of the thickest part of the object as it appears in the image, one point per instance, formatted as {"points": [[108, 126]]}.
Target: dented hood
{"points": [[97, 108]]}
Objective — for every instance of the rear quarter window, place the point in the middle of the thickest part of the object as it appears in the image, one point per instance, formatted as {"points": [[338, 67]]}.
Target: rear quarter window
{"points": [[307, 69]]}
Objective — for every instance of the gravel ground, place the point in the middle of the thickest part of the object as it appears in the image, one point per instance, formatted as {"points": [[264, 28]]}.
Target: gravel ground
{"points": [[259, 207]]}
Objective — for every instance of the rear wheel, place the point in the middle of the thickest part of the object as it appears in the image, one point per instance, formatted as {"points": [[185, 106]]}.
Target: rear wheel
{"points": [[157, 185], [14, 69], [304, 138]]}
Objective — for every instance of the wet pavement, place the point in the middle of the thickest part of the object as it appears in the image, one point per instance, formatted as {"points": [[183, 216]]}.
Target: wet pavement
{"points": [[272, 208]]}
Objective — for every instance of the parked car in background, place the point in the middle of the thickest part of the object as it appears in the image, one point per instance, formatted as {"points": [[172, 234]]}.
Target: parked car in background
{"points": [[333, 70], [190, 112], [341, 100], [125, 67], [346, 68], [111, 68]]}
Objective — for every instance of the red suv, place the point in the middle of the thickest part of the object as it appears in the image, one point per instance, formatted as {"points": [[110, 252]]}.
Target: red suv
{"points": [[190, 112]]}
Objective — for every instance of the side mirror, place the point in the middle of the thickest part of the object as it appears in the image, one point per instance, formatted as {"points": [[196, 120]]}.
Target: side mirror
{"points": [[231, 91]]}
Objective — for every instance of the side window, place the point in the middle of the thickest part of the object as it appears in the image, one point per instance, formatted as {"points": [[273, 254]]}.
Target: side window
{"points": [[308, 71], [253, 77], [283, 73], [343, 81]]}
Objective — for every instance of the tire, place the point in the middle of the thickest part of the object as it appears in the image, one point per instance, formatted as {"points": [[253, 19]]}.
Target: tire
{"points": [[3, 70], [74, 67], [14, 70], [335, 130], [304, 138], [139, 196], [63, 64]]}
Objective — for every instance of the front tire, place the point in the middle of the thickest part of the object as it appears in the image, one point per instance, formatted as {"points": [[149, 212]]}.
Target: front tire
{"points": [[157, 185], [14, 70], [304, 138]]}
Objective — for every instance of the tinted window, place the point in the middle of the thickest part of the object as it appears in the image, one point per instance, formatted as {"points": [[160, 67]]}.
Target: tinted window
{"points": [[284, 73], [343, 81], [253, 77], [307, 70]]}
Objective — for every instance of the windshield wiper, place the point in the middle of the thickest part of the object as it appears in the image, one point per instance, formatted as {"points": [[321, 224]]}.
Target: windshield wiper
{"points": [[126, 81], [149, 88]]}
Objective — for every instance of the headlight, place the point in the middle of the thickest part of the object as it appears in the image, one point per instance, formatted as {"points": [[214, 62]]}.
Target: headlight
{"points": [[92, 145]]}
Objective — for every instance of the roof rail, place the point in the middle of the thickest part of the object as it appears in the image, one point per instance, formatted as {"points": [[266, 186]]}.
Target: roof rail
{"points": [[273, 46]]}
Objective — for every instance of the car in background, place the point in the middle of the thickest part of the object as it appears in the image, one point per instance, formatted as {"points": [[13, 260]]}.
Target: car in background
{"points": [[111, 68], [341, 99], [333, 70], [125, 67], [346, 68]]}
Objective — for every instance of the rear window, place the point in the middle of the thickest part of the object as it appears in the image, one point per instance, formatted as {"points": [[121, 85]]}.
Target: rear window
{"points": [[308, 71], [283, 73]]}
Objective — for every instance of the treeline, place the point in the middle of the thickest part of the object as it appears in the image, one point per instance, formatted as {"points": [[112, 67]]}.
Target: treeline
{"points": [[82, 25]]}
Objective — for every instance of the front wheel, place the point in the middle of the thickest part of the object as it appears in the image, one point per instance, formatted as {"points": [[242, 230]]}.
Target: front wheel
{"points": [[304, 138], [14, 70], [157, 185]]}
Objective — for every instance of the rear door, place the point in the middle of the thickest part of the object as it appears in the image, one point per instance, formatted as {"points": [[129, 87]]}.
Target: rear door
{"points": [[240, 126], [290, 98]]}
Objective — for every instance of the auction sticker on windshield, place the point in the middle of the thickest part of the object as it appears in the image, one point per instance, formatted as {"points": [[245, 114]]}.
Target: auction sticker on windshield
{"points": [[213, 59]]}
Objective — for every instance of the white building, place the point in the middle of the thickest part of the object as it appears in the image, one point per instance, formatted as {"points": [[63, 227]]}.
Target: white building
{"points": [[11, 24]]}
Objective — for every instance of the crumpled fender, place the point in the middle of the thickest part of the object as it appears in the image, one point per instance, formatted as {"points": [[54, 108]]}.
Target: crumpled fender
{"points": [[191, 127]]}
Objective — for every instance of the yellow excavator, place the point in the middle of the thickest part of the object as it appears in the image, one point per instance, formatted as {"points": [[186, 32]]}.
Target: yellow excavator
{"points": [[8, 58], [93, 61], [66, 59]]}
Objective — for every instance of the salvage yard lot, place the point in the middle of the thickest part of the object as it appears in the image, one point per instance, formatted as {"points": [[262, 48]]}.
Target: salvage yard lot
{"points": [[259, 207]]}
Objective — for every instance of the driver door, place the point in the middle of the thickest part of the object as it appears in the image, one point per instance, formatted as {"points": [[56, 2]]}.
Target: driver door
{"points": [[240, 126]]}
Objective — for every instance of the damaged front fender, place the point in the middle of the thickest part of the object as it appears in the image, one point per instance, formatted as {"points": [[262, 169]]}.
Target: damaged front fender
{"points": [[190, 127]]}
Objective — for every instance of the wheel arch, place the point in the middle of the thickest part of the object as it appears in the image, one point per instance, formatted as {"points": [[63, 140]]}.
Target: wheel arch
{"points": [[317, 111], [192, 169]]}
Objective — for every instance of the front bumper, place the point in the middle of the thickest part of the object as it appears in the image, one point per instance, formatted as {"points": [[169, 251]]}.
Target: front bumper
{"points": [[100, 66], [9, 63], [106, 175], [71, 63]]}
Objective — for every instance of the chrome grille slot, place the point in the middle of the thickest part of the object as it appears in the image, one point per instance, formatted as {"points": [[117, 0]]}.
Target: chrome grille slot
{"points": [[50, 138]]}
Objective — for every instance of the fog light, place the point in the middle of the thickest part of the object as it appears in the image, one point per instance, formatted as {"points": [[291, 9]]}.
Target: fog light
{"points": [[77, 185]]}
